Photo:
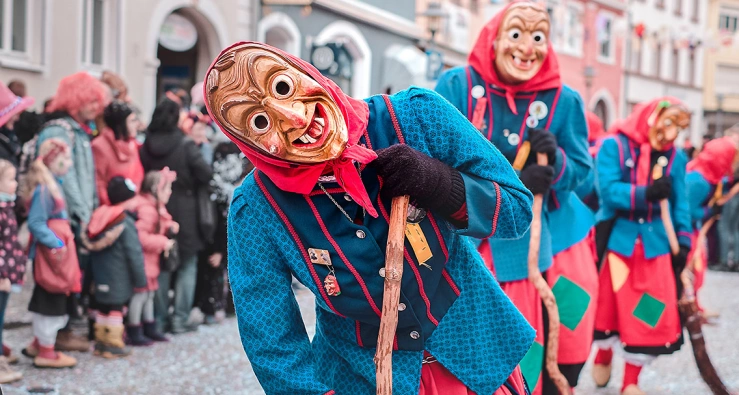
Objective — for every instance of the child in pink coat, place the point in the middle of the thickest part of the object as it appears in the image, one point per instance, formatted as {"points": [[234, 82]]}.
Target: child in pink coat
{"points": [[155, 227]]}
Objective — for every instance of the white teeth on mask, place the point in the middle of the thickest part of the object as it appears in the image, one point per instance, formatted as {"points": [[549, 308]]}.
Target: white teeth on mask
{"points": [[528, 63], [320, 121], [304, 139], [310, 139], [517, 61]]}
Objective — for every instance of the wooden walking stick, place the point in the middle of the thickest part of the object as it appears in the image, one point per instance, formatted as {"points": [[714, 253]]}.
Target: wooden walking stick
{"points": [[687, 305], [541, 285], [391, 295]]}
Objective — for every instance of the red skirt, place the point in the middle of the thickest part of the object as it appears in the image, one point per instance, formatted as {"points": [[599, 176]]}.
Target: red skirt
{"points": [[526, 298], [637, 299], [437, 380], [574, 281]]}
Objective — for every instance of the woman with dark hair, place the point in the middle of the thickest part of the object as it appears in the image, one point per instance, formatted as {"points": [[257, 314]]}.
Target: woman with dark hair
{"points": [[167, 146], [115, 151]]}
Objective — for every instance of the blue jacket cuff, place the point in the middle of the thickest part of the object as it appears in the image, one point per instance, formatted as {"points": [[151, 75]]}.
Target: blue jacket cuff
{"points": [[639, 198]]}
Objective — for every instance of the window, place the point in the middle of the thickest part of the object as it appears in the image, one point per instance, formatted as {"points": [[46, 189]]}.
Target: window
{"points": [[636, 51], [14, 26], [93, 31], [727, 20], [658, 61], [675, 64], [696, 10], [604, 26], [660, 4], [474, 6], [679, 7], [573, 31]]}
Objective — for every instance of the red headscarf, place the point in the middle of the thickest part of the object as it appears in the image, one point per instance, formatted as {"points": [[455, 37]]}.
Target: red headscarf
{"points": [[595, 132], [636, 128], [482, 59], [301, 177], [715, 159]]}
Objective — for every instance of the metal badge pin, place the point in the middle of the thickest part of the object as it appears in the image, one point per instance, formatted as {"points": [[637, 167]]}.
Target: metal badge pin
{"points": [[319, 257], [477, 91], [506, 132], [532, 122], [538, 109], [415, 214], [514, 139], [662, 161], [629, 163]]}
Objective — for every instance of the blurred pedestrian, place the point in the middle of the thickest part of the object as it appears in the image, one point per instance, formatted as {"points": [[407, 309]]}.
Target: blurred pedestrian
{"points": [[117, 264], [11, 107], [229, 169], [18, 88], [12, 260], [156, 233], [53, 252], [79, 99], [115, 152], [118, 87], [167, 146]]}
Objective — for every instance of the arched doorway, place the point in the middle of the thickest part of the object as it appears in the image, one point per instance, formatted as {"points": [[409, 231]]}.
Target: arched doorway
{"points": [[280, 31], [185, 65], [358, 56], [601, 110], [184, 51]]}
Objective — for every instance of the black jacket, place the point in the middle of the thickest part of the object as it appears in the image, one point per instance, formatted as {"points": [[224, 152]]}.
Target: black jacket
{"points": [[179, 153], [117, 259], [10, 147]]}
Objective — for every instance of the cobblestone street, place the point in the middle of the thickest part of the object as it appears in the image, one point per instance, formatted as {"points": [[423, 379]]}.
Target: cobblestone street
{"points": [[211, 361]]}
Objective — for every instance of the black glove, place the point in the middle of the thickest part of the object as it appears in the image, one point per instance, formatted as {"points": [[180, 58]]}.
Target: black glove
{"points": [[660, 189], [678, 265], [430, 182], [537, 178], [542, 141]]}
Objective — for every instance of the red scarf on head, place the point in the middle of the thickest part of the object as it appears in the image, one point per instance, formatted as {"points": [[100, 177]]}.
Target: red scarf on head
{"points": [[301, 177], [636, 128], [482, 59], [715, 160], [595, 132]]}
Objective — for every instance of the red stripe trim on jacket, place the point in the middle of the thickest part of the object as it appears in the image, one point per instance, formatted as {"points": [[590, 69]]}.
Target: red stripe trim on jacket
{"points": [[438, 236], [564, 166], [669, 164], [329, 190], [351, 268], [299, 243], [396, 124], [469, 94], [497, 209], [554, 107], [360, 343], [449, 280], [492, 115]]}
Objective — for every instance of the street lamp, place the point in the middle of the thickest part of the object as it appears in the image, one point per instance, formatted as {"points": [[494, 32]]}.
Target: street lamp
{"points": [[434, 15], [589, 74]]}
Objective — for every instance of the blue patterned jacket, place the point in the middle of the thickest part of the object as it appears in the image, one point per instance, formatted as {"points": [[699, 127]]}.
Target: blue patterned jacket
{"points": [[621, 198], [565, 118], [454, 309]]}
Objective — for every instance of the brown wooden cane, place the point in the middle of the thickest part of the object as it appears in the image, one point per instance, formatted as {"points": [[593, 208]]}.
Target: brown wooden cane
{"points": [[391, 296], [687, 305], [545, 292]]}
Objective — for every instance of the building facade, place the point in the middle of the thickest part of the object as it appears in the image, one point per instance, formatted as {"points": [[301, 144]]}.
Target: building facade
{"points": [[664, 55], [721, 74], [153, 45]]}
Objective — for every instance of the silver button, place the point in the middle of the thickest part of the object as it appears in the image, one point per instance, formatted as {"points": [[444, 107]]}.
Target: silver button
{"points": [[641, 220], [360, 233], [382, 272], [347, 198], [415, 335], [401, 307]]}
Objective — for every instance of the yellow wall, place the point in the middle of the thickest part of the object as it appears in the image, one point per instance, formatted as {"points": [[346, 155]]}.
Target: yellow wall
{"points": [[722, 56]]}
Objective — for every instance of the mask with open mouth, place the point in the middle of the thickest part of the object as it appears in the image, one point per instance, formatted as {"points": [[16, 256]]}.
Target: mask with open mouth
{"points": [[267, 102], [521, 44], [666, 123]]}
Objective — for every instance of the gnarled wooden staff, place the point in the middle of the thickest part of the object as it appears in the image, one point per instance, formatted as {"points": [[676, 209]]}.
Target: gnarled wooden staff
{"points": [[535, 277], [687, 305], [391, 296]]}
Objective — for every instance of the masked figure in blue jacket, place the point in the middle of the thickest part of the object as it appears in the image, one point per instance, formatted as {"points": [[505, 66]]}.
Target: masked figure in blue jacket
{"points": [[512, 92], [636, 169], [317, 208]]}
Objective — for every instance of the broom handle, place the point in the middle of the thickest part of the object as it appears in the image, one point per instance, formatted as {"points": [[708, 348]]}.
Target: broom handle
{"points": [[391, 295], [545, 292]]}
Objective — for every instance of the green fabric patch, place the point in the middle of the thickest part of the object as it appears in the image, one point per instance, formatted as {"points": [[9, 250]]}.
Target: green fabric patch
{"points": [[649, 310], [532, 363], [572, 302]]}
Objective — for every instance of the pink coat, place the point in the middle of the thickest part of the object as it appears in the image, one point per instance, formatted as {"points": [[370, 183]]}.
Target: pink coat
{"points": [[115, 158], [153, 241]]}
